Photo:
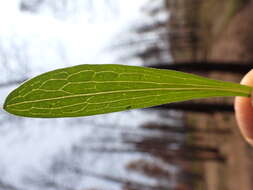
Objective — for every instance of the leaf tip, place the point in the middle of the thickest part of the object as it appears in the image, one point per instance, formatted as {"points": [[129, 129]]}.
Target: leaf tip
{"points": [[6, 104]]}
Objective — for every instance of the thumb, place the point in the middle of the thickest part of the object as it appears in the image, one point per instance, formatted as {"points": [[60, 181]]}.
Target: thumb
{"points": [[244, 111]]}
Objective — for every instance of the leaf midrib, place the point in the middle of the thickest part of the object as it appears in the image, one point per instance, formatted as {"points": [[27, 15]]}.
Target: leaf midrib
{"points": [[127, 90]]}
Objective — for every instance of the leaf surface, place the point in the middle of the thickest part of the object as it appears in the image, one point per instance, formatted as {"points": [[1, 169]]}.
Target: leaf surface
{"points": [[97, 89]]}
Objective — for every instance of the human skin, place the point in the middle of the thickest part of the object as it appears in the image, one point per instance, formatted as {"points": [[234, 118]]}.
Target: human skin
{"points": [[244, 111]]}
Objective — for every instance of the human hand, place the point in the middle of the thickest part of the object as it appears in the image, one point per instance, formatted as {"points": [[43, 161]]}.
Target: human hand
{"points": [[244, 111]]}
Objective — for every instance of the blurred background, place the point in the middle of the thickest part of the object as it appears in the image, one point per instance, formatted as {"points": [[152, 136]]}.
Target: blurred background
{"points": [[192, 145]]}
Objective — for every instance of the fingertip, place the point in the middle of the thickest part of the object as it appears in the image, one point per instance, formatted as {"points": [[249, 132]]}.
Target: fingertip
{"points": [[250, 141], [244, 111], [248, 78]]}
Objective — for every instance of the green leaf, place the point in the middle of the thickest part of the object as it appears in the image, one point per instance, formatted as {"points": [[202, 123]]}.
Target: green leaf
{"points": [[97, 89]]}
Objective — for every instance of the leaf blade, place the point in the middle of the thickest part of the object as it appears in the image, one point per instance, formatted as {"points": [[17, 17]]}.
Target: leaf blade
{"points": [[96, 89]]}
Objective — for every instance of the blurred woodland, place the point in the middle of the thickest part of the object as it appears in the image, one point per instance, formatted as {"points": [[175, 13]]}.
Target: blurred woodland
{"points": [[216, 36]]}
